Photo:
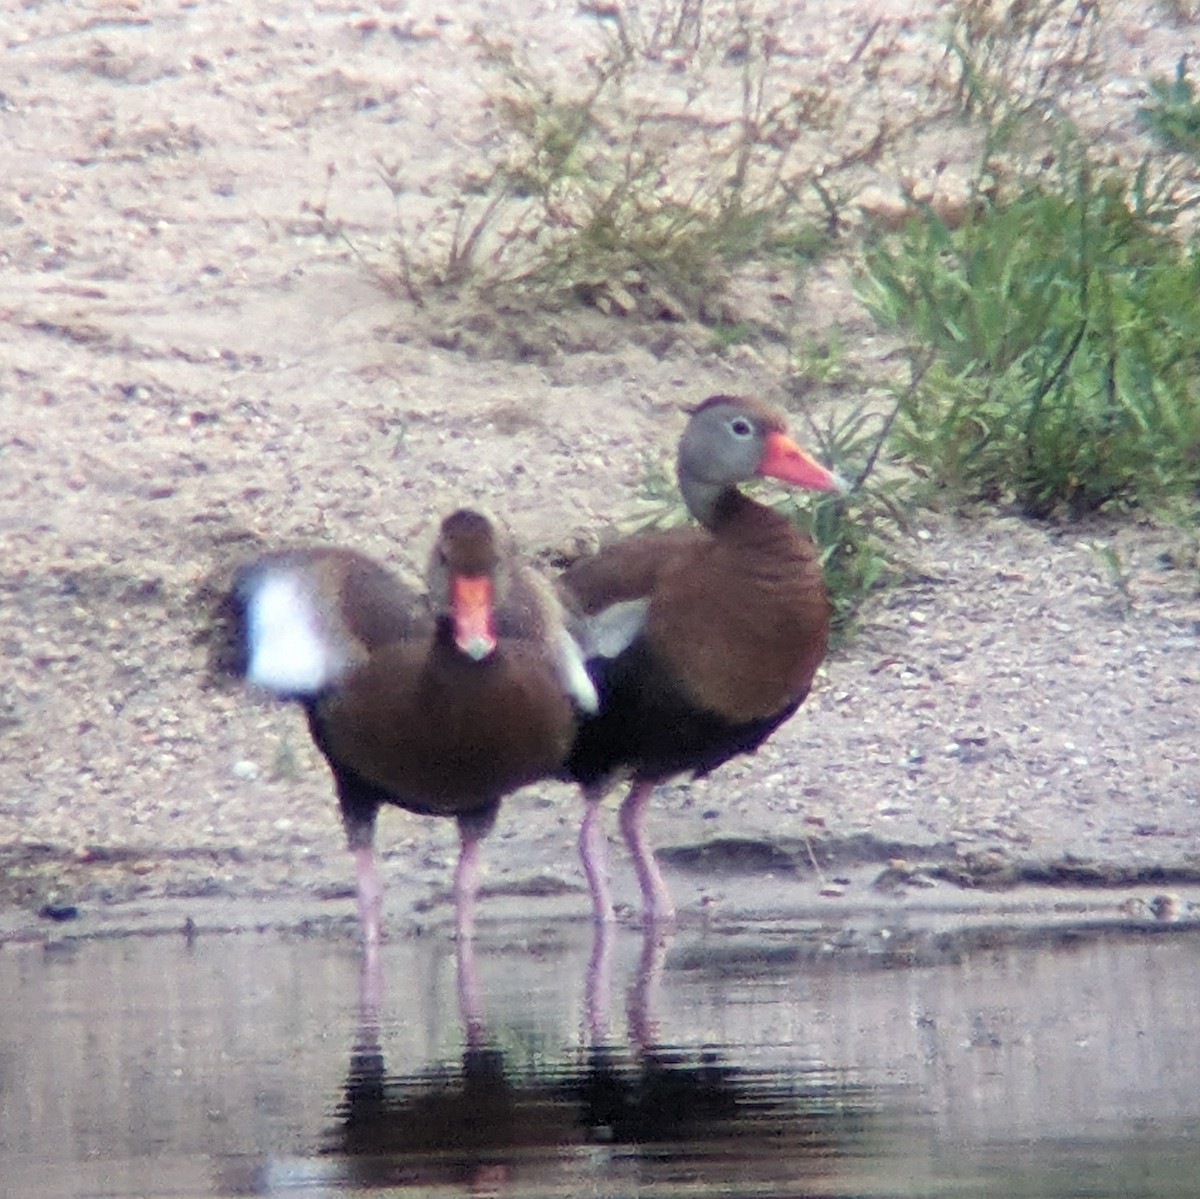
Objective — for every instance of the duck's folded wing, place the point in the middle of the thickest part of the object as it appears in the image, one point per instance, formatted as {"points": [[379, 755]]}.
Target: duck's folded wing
{"points": [[609, 592], [535, 614]]}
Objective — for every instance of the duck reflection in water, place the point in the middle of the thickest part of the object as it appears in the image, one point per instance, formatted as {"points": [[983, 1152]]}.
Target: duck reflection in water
{"points": [[480, 1121]]}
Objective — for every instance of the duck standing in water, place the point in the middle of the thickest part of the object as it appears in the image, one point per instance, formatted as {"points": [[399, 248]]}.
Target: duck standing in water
{"points": [[441, 704], [701, 641]]}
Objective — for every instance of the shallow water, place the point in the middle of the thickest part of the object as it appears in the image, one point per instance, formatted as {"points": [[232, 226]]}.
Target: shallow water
{"points": [[759, 1062]]}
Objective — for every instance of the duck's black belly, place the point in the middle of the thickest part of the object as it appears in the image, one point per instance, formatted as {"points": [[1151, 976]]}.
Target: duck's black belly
{"points": [[648, 728]]}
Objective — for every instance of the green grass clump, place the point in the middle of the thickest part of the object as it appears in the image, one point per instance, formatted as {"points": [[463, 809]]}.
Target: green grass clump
{"points": [[619, 197], [858, 530], [1013, 58], [1064, 326], [1174, 116], [683, 146]]}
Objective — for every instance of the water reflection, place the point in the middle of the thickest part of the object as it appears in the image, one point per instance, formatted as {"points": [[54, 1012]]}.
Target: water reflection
{"points": [[780, 1059], [515, 1109]]}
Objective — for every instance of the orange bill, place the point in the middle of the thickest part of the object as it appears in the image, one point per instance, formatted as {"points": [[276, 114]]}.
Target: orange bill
{"points": [[471, 608], [784, 459]]}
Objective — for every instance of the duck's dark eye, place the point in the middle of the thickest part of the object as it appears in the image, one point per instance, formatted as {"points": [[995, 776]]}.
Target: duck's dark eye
{"points": [[741, 427]]}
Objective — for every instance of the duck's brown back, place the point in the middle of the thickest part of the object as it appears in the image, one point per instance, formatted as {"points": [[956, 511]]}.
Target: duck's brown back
{"points": [[627, 570]]}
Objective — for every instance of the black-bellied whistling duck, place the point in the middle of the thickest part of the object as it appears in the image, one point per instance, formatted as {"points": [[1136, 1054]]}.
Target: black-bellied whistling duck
{"points": [[701, 642], [440, 706]]}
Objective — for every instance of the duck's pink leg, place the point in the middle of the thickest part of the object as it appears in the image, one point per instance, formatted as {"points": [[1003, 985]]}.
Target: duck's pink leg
{"points": [[657, 905], [370, 898], [466, 880], [370, 998], [593, 852]]}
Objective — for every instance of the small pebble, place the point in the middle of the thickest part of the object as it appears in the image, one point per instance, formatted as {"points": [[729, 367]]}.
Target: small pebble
{"points": [[59, 912], [1166, 907]]}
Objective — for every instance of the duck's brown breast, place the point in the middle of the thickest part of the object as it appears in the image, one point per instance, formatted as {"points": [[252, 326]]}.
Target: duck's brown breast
{"points": [[742, 621], [445, 734]]}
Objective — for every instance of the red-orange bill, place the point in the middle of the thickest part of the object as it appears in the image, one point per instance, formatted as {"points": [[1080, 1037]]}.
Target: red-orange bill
{"points": [[471, 608], [784, 459]]}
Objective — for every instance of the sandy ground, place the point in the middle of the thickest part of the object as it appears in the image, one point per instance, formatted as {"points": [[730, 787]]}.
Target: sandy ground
{"points": [[192, 367]]}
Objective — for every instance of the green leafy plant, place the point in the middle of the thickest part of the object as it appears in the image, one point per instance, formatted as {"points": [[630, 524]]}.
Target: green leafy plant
{"points": [[285, 762], [1065, 328], [1116, 572], [1174, 117], [726, 334], [858, 530]]}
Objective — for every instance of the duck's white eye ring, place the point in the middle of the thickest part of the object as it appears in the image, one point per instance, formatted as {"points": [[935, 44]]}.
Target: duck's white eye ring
{"points": [[741, 427]]}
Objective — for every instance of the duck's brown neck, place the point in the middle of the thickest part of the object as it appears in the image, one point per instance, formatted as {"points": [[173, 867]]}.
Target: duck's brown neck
{"points": [[720, 507], [761, 535], [709, 503], [755, 529]]}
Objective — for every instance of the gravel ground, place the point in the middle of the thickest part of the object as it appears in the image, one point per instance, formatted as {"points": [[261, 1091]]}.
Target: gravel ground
{"points": [[192, 368]]}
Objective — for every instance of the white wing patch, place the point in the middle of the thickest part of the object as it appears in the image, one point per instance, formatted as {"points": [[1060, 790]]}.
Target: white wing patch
{"points": [[288, 652], [614, 629], [573, 673]]}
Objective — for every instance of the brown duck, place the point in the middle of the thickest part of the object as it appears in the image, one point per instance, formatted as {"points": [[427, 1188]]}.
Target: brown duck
{"points": [[440, 706], [701, 642]]}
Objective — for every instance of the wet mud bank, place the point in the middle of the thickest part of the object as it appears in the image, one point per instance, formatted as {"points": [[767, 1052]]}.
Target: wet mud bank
{"points": [[867, 895]]}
